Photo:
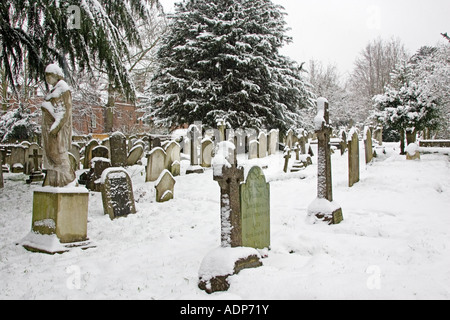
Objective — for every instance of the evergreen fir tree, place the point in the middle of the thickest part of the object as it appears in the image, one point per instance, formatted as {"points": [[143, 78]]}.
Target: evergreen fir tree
{"points": [[220, 60]]}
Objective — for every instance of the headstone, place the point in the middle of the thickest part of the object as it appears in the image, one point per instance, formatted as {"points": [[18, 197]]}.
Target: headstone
{"points": [[100, 152], [88, 153], [17, 158], [262, 145], [156, 162], [75, 151], [117, 193], [135, 155], [273, 141], [229, 176], [165, 187], [378, 135], [222, 126], [194, 134], [29, 157], [368, 144], [289, 142], [36, 174], [98, 166], [255, 210], [343, 143], [353, 157], [118, 148], [412, 152], [253, 147], [324, 208], [173, 158], [286, 156], [231, 257], [207, 152]]}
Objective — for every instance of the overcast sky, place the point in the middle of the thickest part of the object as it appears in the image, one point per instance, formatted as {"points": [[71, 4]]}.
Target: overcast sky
{"points": [[335, 31]]}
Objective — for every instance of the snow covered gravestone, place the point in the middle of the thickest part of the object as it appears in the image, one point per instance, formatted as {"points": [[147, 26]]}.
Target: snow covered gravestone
{"points": [[323, 208], [117, 193], [118, 147], [156, 163], [231, 257], [368, 144], [353, 157], [165, 187], [194, 134], [255, 210]]}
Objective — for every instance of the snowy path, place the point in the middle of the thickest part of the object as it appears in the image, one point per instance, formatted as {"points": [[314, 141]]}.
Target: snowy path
{"points": [[394, 242]]}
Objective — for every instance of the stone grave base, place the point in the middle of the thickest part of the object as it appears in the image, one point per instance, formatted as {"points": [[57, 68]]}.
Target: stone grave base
{"points": [[50, 244], [36, 177], [195, 169], [322, 210], [59, 220], [222, 263]]}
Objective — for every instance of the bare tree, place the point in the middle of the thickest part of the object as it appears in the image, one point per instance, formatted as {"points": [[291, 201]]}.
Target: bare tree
{"points": [[372, 71]]}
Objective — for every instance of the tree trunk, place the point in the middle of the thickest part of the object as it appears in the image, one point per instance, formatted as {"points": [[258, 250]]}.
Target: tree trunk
{"points": [[402, 142], [109, 111]]}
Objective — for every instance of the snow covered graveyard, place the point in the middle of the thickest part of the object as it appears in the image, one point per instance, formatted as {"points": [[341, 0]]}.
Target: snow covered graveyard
{"points": [[392, 244]]}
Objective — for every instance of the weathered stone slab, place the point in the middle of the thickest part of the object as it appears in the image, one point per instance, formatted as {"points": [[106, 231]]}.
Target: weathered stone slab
{"points": [[117, 193], [255, 210], [165, 187]]}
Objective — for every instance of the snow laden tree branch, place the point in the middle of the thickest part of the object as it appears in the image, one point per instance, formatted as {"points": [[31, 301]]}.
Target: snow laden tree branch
{"points": [[220, 60], [37, 30]]}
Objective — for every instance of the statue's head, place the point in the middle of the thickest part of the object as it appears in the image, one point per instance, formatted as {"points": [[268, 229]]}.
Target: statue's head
{"points": [[53, 74]]}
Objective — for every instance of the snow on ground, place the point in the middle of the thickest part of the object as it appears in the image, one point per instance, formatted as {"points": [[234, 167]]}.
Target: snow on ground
{"points": [[394, 242]]}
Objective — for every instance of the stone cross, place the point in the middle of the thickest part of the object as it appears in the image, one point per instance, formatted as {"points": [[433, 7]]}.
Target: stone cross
{"points": [[287, 156], [35, 158], [324, 208], [323, 131], [229, 182]]}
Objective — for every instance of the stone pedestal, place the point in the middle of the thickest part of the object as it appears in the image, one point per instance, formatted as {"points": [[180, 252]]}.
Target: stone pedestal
{"points": [[222, 263], [59, 220]]}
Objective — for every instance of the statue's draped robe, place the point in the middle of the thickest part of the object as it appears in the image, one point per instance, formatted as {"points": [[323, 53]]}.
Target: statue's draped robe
{"points": [[57, 136]]}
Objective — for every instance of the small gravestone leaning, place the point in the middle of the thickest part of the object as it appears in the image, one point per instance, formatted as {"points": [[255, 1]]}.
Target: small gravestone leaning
{"points": [[165, 187], [117, 193]]}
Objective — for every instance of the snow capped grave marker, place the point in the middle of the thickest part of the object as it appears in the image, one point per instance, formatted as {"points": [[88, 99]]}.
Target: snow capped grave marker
{"points": [[173, 158], [165, 187], [117, 193], [353, 157], [207, 151], [324, 208], [255, 210], [118, 147], [194, 134], [231, 257], [262, 145], [88, 153], [229, 177], [272, 147], [35, 171], [368, 144], [156, 161], [135, 155]]}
